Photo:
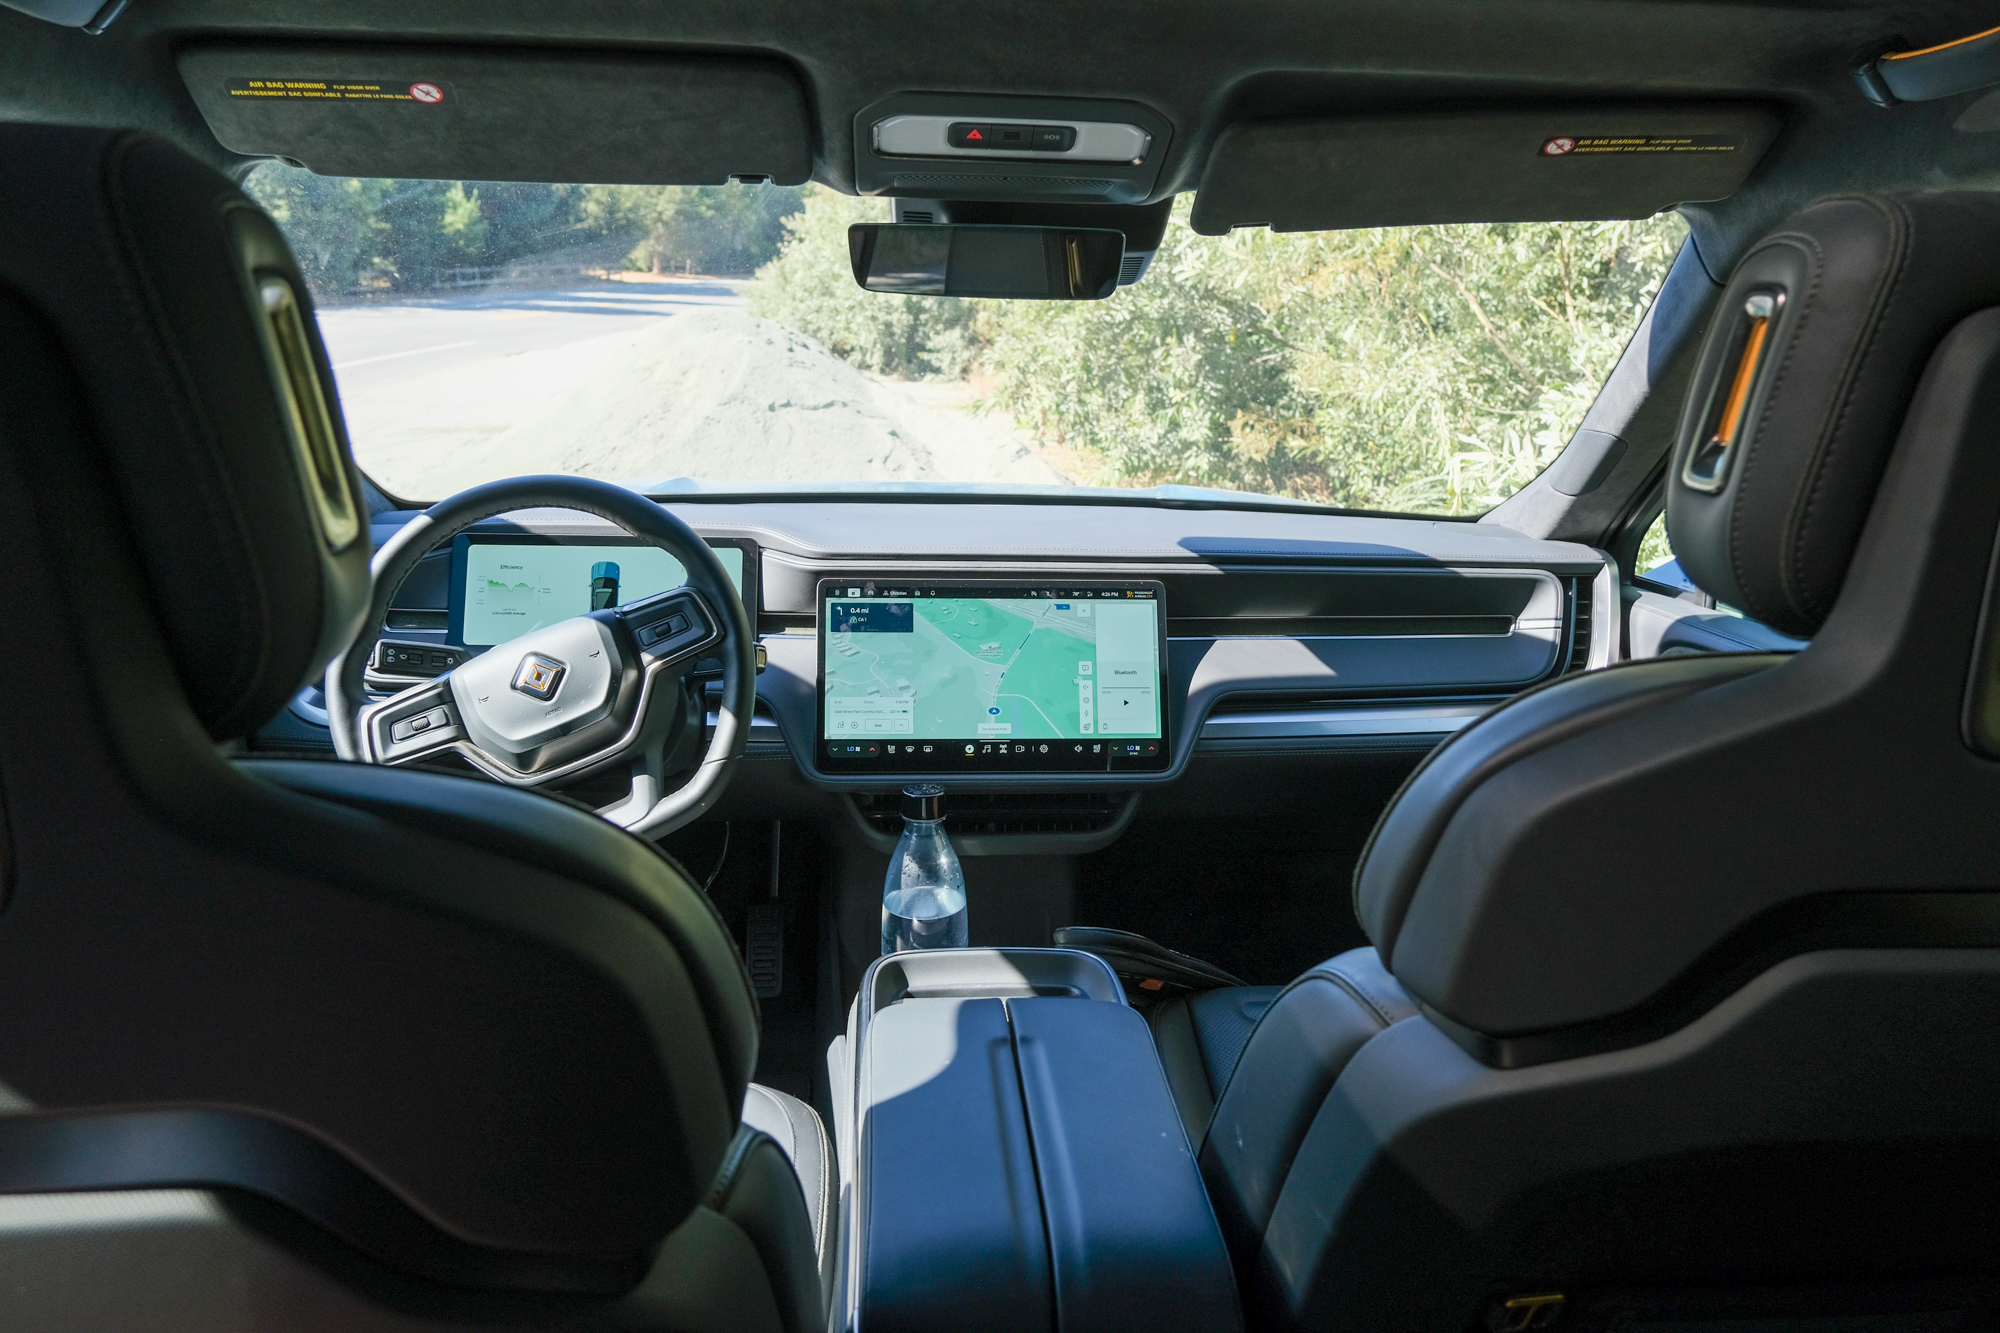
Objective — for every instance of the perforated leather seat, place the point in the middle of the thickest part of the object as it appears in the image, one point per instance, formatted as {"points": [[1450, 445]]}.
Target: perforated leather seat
{"points": [[1686, 971], [308, 1044]]}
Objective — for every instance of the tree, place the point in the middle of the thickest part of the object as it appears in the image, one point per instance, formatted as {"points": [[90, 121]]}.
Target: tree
{"points": [[810, 287], [1432, 369], [351, 233], [711, 228]]}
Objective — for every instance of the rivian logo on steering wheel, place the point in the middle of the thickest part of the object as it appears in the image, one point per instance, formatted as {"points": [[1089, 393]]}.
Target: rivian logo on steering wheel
{"points": [[538, 676]]}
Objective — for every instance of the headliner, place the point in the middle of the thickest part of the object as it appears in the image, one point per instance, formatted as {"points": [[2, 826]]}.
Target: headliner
{"points": [[1201, 65]]}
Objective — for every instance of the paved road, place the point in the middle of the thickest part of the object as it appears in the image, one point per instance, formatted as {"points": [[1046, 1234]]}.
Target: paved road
{"points": [[630, 381], [376, 346]]}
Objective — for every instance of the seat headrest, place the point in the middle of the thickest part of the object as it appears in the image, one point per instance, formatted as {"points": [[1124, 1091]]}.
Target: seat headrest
{"points": [[193, 339], [1809, 365]]}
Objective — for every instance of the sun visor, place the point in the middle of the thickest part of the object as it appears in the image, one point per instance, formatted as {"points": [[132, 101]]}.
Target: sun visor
{"points": [[1563, 164], [505, 115]]}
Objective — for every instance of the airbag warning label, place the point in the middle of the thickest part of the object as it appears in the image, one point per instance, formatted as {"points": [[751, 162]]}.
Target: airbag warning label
{"points": [[424, 92], [1574, 146]]}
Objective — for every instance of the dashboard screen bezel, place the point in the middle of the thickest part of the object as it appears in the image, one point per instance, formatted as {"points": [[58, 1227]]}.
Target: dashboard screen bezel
{"points": [[455, 590], [949, 758]]}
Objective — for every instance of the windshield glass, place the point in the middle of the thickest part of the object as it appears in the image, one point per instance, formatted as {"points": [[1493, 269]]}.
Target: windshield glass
{"points": [[679, 338]]}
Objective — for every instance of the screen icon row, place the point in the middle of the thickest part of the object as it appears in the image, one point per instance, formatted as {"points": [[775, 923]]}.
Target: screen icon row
{"points": [[1018, 756]]}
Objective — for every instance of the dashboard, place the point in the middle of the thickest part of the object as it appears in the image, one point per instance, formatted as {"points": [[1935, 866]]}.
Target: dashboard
{"points": [[1245, 646]]}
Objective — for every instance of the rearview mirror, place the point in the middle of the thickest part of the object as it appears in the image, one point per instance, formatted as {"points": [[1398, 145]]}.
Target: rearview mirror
{"points": [[1012, 263]]}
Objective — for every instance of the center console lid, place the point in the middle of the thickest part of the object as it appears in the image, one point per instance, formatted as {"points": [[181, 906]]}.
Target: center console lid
{"points": [[1017, 1162]]}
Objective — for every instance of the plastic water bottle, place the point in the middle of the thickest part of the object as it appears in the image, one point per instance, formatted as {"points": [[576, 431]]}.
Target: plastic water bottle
{"points": [[923, 895]]}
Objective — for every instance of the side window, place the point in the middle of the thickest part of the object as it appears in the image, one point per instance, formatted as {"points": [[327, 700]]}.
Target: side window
{"points": [[1667, 615], [1656, 564]]}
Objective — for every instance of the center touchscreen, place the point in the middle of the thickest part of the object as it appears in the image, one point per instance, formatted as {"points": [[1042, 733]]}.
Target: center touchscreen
{"points": [[966, 677]]}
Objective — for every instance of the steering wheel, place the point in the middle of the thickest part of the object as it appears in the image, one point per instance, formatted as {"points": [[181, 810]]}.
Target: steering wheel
{"points": [[575, 698]]}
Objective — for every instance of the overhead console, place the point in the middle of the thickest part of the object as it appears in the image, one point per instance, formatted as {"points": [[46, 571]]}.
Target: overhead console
{"points": [[953, 146], [1323, 173]]}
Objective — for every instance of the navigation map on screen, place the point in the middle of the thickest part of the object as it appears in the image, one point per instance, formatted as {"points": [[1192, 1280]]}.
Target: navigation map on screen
{"points": [[966, 668]]}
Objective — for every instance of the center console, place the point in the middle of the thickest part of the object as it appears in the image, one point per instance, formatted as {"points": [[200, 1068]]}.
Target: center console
{"points": [[1011, 1158]]}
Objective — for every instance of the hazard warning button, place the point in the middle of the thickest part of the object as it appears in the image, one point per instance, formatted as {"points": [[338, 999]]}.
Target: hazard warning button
{"points": [[964, 134]]}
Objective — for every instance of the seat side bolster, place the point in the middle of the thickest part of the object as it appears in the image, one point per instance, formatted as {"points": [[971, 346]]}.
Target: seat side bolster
{"points": [[758, 1191], [1296, 1052], [798, 1132], [1179, 1046]]}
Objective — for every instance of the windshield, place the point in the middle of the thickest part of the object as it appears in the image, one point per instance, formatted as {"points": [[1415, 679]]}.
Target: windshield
{"points": [[680, 338]]}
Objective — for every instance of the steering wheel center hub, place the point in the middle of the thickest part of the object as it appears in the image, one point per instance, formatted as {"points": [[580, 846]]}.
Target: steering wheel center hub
{"points": [[523, 700]]}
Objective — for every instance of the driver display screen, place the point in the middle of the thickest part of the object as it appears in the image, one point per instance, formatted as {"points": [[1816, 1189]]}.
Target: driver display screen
{"points": [[511, 588], [948, 677]]}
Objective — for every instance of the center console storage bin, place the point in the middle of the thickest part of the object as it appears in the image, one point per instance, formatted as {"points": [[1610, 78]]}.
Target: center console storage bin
{"points": [[1017, 1161]]}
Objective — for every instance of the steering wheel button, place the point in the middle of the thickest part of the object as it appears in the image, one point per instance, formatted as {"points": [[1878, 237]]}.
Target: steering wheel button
{"points": [[677, 624]]}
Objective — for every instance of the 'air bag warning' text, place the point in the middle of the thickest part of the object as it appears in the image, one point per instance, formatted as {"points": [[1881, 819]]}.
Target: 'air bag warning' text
{"points": [[1597, 145], [424, 92]]}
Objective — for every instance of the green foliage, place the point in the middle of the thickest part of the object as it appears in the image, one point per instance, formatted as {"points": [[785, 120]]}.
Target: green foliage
{"points": [[1433, 369], [1425, 369], [810, 287], [354, 233], [1654, 548], [712, 229]]}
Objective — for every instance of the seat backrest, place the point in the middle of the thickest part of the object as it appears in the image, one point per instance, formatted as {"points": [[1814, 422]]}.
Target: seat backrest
{"points": [[1545, 843], [481, 1036], [1706, 950]]}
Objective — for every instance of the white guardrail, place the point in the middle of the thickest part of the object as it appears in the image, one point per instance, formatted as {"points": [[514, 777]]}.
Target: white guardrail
{"points": [[481, 277]]}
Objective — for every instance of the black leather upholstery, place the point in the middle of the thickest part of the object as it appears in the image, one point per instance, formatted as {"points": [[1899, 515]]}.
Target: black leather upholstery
{"points": [[1311, 1030], [1691, 954], [1513, 850], [1200, 1036], [482, 1040], [1400, 850], [146, 268], [1152, 968], [1870, 286]]}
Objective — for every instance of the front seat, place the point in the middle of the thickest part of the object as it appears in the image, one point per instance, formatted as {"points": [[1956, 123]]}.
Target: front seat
{"points": [[1686, 972], [299, 1045]]}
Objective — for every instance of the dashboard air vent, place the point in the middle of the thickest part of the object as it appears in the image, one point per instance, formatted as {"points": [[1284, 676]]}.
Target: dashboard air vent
{"points": [[1579, 625], [401, 618], [969, 814]]}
